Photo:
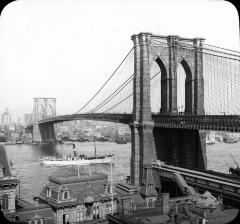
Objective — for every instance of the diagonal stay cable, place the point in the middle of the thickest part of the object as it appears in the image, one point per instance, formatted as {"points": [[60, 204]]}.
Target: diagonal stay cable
{"points": [[128, 95], [118, 103], [105, 82], [110, 97]]}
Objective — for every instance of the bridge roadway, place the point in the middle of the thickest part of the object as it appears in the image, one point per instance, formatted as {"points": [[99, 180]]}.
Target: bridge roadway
{"points": [[229, 123], [215, 182]]}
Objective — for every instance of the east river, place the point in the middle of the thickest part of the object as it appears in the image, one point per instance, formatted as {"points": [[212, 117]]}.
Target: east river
{"points": [[33, 175]]}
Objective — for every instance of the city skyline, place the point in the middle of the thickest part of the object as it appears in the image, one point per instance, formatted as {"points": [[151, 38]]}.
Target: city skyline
{"points": [[59, 47]]}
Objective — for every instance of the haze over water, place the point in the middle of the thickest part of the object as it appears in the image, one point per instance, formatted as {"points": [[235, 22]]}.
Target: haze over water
{"points": [[33, 175]]}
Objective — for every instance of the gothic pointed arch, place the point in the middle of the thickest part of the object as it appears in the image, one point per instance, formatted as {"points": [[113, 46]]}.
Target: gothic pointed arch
{"points": [[163, 81], [189, 85]]}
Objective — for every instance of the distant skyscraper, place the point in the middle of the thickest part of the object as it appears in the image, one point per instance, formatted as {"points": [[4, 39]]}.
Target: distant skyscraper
{"points": [[28, 118], [6, 117]]}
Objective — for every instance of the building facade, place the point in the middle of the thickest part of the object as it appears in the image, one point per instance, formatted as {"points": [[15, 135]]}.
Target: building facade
{"points": [[6, 117], [8, 184], [79, 199]]}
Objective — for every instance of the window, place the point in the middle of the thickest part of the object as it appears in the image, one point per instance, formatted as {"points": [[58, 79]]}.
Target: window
{"points": [[106, 210], [1, 171], [65, 195], [4, 202], [150, 203], [49, 192], [81, 216], [67, 216], [78, 215], [94, 212], [97, 212], [64, 219], [88, 210], [68, 194]]}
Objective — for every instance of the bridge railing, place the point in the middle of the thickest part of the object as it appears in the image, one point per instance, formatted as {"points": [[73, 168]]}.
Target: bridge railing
{"points": [[205, 122]]}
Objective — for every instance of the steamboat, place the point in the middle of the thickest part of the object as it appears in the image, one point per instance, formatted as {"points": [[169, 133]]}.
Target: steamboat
{"points": [[76, 159]]}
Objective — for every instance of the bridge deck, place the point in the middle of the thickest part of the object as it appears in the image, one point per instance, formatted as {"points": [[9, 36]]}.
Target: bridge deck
{"points": [[229, 123], [220, 184]]}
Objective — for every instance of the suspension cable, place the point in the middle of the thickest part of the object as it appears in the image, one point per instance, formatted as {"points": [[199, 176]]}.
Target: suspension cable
{"points": [[204, 48], [110, 97], [105, 82], [222, 48], [127, 96]]}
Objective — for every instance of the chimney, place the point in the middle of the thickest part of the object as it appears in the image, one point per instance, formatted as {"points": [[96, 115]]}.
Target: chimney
{"points": [[128, 180], [1, 170], [106, 189]]}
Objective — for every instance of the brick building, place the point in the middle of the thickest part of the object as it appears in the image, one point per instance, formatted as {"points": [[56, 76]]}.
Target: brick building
{"points": [[76, 199]]}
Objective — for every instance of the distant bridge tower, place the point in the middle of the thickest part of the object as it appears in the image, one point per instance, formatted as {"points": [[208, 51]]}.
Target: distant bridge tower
{"points": [[180, 147], [43, 108]]}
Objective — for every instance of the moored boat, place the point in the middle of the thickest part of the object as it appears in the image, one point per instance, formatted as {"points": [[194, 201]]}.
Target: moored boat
{"points": [[121, 141], [235, 172], [229, 138], [210, 139]]}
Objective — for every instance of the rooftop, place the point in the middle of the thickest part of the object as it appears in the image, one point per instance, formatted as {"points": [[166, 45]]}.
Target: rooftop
{"points": [[124, 188], [76, 179]]}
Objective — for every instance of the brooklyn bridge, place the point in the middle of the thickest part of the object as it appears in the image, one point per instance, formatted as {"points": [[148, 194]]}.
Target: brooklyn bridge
{"points": [[169, 90]]}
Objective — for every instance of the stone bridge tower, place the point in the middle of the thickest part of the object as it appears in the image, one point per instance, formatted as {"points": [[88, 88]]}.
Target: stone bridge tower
{"points": [[43, 108], [171, 145]]}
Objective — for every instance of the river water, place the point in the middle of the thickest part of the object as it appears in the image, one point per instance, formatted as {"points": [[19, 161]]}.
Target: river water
{"points": [[34, 175]]}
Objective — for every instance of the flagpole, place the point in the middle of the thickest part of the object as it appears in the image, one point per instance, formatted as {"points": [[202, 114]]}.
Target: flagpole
{"points": [[111, 185], [78, 172]]}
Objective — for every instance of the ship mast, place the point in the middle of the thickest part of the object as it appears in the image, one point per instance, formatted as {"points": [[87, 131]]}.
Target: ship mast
{"points": [[112, 185], [95, 147], [78, 172], [235, 161]]}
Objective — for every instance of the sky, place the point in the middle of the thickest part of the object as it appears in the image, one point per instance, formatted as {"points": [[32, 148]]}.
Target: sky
{"points": [[68, 48]]}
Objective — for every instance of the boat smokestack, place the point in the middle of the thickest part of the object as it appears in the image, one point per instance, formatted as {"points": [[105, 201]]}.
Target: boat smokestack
{"points": [[74, 151]]}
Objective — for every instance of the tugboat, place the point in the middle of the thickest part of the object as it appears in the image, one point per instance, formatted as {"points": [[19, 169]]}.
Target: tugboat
{"points": [[120, 140], [75, 159], [210, 139], [229, 139], [235, 172]]}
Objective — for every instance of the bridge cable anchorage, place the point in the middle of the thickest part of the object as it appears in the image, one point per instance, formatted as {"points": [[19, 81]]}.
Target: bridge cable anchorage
{"points": [[105, 82], [115, 93]]}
